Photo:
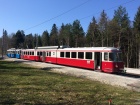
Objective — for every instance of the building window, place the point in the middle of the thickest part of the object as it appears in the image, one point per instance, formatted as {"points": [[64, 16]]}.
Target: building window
{"points": [[88, 55], [67, 54], [73, 54], [61, 54], [81, 55]]}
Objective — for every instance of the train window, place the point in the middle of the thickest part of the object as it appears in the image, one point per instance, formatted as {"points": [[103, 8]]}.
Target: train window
{"points": [[32, 53], [105, 56], [111, 56], [49, 53], [119, 56], [88, 55], [40, 53], [37, 53], [67, 54], [73, 55], [26, 53], [61, 54], [81, 55]]}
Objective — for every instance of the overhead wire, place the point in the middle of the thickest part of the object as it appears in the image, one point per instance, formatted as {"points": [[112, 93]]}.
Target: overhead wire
{"points": [[58, 15], [73, 9], [108, 9]]}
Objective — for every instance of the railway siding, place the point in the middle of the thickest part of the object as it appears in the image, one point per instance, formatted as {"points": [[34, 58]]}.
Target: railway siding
{"points": [[116, 80]]}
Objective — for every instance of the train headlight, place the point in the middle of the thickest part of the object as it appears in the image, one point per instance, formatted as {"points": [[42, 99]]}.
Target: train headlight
{"points": [[116, 66]]}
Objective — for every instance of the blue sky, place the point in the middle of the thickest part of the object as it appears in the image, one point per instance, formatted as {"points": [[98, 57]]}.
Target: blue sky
{"points": [[23, 14]]}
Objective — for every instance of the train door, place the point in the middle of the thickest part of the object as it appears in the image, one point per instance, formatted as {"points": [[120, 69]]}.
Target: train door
{"points": [[97, 60], [43, 56]]}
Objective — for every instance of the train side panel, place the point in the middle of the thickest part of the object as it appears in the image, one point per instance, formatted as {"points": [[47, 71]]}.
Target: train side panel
{"points": [[88, 64]]}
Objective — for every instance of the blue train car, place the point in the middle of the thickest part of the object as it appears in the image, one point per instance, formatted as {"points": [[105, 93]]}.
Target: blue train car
{"points": [[18, 53], [11, 53]]}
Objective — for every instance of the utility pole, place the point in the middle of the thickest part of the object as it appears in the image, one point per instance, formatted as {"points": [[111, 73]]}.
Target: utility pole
{"points": [[2, 43]]}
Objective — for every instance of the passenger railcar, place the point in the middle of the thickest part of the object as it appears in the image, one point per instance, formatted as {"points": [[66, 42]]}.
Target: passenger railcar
{"points": [[102, 58], [11, 53], [106, 59], [28, 54]]}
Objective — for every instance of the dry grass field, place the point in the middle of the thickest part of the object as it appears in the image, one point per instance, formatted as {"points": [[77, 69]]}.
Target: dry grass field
{"points": [[24, 85]]}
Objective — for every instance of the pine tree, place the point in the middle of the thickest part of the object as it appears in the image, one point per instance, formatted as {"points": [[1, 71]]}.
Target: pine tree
{"points": [[124, 35], [122, 19], [39, 41], [61, 35], [113, 30], [93, 34], [45, 38], [103, 28], [29, 41], [77, 34], [65, 35], [137, 36], [19, 39], [54, 36], [35, 40]]}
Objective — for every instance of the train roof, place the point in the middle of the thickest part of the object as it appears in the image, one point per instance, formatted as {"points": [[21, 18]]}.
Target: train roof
{"points": [[28, 49], [93, 49], [11, 49], [52, 47]]}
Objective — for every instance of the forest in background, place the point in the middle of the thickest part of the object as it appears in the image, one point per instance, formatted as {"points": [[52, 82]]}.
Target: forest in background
{"points": [[118, 32]]}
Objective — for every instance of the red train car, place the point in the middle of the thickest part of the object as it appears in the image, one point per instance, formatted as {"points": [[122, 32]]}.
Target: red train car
{"points": [[28, 54], [106, 59]]}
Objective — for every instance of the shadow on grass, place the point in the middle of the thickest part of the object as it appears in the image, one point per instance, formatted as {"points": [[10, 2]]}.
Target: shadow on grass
{"points": [[8, 102], [131, 75], [10, 65], [50, 68]]}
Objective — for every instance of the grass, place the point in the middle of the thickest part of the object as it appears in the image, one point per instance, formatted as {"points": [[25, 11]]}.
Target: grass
{"points": [[24, 85]]}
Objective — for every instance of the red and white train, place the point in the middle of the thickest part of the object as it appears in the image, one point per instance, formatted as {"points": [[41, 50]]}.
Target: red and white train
{"points": [[106, 59]]}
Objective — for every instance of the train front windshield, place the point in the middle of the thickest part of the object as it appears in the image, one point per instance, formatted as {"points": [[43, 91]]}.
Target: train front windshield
{"points": [[115, 56]]}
